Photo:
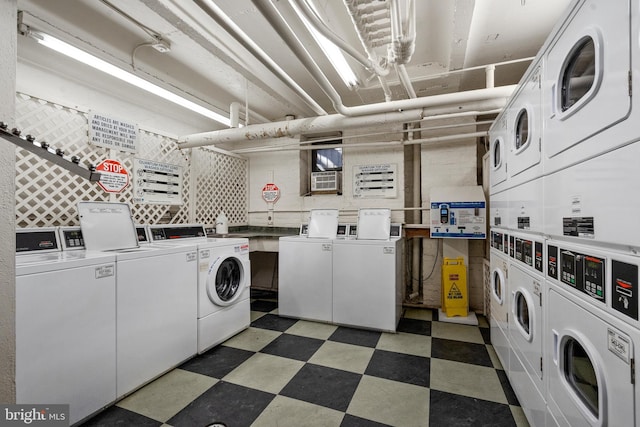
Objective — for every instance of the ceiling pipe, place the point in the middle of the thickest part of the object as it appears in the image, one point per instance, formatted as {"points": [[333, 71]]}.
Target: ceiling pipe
{"points": [[405, 80], [435, 107], [370, 63], [211, 9], [392, 143], [274, 18], [366, 42]]}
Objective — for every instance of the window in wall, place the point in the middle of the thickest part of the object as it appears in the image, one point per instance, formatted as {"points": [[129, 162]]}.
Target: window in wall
{"points": [[326, 159], [578, 73], [321, 166]]}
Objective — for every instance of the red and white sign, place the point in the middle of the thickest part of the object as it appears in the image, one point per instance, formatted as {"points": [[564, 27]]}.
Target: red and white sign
{"points": [[113, 176], [270, 193]]}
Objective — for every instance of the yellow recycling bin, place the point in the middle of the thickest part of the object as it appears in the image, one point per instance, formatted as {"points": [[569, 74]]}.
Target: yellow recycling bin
{"points": [[455, 301]]}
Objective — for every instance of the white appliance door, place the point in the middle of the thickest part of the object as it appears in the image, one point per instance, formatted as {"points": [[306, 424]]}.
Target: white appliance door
{"points": [[586, 78], [498, 153], [525, 127], [226, 279], [590, 375], [526, 317]]}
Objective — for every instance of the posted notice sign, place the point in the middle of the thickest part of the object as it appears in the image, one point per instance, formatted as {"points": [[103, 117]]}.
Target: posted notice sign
{"points": [[270, 193], [109, 132], [113, 176], [157, 183]]}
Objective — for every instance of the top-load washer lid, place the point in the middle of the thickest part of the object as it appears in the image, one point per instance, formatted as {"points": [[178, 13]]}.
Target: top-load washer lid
{"points": [[323, 223], [374, 224], [107, 226]]}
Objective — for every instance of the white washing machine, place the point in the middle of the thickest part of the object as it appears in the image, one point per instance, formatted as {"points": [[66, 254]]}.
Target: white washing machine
{"points": [[526, 334], [500, 295], [223, 281], [367, 274], [305, 266], [65, 325], [593, 333], [156, 295]]}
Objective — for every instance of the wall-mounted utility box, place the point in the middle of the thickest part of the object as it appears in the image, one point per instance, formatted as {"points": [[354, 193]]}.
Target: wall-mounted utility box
{"points": [[458, 213]]}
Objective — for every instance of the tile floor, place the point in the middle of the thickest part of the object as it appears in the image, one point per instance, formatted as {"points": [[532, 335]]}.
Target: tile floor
{"points": [[285, 372]]}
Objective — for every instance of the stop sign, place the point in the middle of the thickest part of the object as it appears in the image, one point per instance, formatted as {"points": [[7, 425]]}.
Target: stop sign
{"points": [[113, 176]]}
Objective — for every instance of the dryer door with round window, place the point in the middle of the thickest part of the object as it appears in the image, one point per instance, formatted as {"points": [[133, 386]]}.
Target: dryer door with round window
{"points": [[526, 125], [590, 365], [525, 321], [586, 80], [226, 280], [498, 152]]}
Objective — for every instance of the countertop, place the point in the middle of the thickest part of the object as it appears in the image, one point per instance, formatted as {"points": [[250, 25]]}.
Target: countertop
{"points": [[257, 232]]}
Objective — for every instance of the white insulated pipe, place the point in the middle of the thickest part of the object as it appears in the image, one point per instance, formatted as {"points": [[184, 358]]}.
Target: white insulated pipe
{"points": [[403, 111], [234, 114], [310, 15], [211, 9]]}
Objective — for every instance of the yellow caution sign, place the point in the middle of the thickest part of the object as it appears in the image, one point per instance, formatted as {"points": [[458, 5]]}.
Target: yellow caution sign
{"points": [[455, 300]]}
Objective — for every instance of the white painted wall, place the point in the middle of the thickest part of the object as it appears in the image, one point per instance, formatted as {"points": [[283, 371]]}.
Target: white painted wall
{"points": [[7, 210], [45, 74], [283, 169], [444, 165]]}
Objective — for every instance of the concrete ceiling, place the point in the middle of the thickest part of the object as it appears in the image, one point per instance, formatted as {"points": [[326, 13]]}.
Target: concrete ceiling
{"points": [[210, 66]]}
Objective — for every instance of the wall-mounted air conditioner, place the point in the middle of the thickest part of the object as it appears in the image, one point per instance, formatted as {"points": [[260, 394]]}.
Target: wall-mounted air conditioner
{"points": [[326, 181]]}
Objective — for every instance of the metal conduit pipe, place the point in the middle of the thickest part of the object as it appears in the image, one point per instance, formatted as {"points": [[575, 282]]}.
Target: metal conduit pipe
{"points": [[369, 63], [211, 9], [274, 18], [392, 143], [437, 108], [367, 45], [405, 80]]}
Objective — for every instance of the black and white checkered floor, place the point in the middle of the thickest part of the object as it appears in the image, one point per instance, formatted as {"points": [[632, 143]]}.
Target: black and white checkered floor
{"points": [[290, 373]]}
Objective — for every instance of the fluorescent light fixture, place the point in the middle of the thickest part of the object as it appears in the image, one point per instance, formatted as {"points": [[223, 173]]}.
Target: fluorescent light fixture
{"points": [[333, 53], [99, 64]]}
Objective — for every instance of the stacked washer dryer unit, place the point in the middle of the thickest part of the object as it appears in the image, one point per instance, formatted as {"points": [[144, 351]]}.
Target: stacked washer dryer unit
{"points": [[305, 269], [223, 282], [367, 274], [65, 324], [156, 295], [592, 180], [588, 70]]}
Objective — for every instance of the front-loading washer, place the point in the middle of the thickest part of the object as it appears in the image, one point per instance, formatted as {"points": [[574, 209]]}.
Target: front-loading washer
{"points": [[65, 325], [223, 281], [590, 361], [526, 335], [156, 295], [367, 274], [305, 266], [500, 295], [592, 318]]}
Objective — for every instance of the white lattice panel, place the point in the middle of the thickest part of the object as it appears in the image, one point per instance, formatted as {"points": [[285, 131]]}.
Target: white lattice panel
{"points": [[223, 188], [47, 195]]}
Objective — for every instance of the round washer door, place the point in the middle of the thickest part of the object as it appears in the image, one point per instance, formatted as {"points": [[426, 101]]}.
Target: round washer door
{"points": [[225, 280]]}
